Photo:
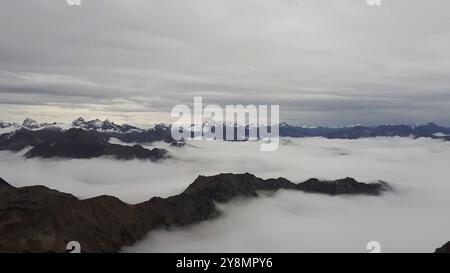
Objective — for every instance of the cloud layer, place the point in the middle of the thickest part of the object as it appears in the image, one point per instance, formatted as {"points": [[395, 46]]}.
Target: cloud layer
{"points": [[415, 218]]}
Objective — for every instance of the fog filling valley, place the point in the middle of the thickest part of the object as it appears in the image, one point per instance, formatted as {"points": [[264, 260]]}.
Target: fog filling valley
{"points": [[414, 218]]}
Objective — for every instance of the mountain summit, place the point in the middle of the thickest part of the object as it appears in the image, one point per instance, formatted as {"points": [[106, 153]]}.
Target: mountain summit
{"points": [[30, 123], [99, 125]]}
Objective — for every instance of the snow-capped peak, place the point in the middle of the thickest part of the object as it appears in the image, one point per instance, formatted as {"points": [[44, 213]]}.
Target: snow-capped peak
{"points": [[161, 127], [30, 123], [99, 125], [108, 125], [78, 122]]}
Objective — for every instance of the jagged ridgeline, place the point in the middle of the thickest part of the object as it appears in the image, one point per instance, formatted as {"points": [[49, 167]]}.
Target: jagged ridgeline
{"points": [[39, 219], [31, 133], [15, 137]]}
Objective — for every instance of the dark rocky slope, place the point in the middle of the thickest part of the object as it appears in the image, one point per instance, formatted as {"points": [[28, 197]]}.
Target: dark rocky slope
{"points": [[39, 219], [444, 249], [78, 143], [25, 137], [22, 138], [31, 133]]}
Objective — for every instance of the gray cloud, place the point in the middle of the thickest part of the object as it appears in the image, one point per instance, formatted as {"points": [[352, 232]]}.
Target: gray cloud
{"points": [[323, 61]]}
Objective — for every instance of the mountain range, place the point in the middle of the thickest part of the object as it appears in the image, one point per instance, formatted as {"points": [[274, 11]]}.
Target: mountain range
{"points": [[83, 139], [74, 143], [39, 219], [89, 139], [78, 143], [162, 132], [430, 130]]}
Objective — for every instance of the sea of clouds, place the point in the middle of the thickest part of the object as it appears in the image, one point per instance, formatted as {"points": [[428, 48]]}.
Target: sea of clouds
{"points": [[412, 219]]}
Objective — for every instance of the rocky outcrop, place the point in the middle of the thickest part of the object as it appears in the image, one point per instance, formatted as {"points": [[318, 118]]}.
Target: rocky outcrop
{"points": [[39, 219], [3, 183], [343, 186], [78, 143], [444, 249]]}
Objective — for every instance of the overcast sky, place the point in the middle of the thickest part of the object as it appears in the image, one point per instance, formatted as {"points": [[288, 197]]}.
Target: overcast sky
{"points": [[323, 61]]}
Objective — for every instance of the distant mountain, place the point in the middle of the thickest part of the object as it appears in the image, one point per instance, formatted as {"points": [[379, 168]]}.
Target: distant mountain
{"points": [[162, 132], [6, 124], [241, 132], [38, 219], [127, 133], [430, 130], [96, 125], [30, 124], [79, 143], [159, 132], [31, 133], [105, 125]]}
